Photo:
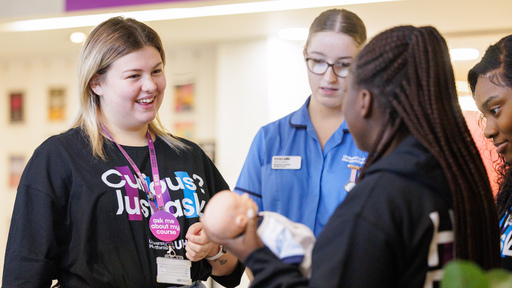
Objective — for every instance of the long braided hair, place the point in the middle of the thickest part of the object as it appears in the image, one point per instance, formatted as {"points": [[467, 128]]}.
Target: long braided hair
{"points": [[408, 70], [497, 64]]}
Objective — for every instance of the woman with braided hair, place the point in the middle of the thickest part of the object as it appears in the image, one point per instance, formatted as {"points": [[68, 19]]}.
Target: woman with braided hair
{"points": [[295, 164], [491, 84], [423, 197]]}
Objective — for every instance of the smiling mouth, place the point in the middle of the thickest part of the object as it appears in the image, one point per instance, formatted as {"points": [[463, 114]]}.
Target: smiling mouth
{"points": [[501, 147], [146, 101]]}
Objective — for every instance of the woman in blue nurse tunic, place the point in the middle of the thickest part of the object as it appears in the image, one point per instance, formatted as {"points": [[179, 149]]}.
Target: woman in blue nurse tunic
{"points": [[296, 164]]}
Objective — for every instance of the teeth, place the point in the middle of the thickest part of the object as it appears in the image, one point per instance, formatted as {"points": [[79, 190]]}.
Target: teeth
{"points": [[146, 101]]}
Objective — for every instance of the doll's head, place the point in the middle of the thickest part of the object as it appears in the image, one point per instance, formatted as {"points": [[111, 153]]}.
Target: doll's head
{"points": [[227, 213]]}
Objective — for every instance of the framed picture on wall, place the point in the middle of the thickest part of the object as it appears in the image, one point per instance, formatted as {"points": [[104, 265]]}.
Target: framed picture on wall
{"points": [[56, 104], [184, 97], [16, 107], [185, 130], [16, 166]]}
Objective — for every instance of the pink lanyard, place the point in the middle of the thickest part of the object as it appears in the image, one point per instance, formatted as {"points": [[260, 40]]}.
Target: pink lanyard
{"points": [[154, 170]]}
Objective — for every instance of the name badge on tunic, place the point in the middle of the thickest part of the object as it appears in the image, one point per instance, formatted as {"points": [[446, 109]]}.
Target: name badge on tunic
{"points": [[286, 162]]}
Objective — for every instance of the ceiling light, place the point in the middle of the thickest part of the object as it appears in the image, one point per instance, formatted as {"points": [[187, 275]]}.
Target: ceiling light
{"points": [[458, 54], [77, 37], [176, 13]]}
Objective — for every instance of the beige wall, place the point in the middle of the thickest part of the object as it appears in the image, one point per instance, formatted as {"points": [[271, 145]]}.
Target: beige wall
{"points": [[32, 77]]}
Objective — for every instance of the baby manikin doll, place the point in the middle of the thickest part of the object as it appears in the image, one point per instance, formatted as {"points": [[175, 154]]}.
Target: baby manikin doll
{"points": [[227, 214]]}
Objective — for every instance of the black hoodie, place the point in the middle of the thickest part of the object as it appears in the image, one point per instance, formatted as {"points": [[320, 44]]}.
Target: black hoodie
{"points": [[394, 229]]}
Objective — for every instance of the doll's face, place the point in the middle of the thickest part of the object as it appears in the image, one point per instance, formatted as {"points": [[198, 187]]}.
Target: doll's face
{"points": [[246, 203], [226, 214]]}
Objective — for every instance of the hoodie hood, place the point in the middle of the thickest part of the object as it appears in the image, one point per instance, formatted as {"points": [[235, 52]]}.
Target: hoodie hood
{"points": [[412, 160]]}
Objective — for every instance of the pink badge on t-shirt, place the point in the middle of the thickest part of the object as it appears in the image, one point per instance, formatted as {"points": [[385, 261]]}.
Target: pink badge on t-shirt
{"points": [[164, 226]]}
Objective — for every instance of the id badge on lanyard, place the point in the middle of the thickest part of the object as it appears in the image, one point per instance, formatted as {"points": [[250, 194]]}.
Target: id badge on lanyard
{"points": [[173, 271], [171, 268]]}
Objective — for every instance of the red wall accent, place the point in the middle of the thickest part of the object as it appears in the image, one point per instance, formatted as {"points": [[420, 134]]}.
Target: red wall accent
{"points": [[484, 145]]}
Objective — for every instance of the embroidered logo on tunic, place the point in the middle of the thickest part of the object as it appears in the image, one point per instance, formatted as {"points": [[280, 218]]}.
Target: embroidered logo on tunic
{"points": [[353, 159]]}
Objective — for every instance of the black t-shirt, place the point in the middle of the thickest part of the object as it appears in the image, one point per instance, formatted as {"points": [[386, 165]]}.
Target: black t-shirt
{"points": [[85, 221]]}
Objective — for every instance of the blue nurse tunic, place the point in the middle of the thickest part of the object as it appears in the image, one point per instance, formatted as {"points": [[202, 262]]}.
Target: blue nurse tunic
{"points": [[287, 172]]}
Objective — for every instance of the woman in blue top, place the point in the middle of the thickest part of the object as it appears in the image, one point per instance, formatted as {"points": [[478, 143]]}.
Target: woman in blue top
{"points": [[491, 85], [296, 163]]}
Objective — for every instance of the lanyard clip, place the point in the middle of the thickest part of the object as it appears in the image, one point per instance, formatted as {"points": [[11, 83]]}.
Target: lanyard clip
{"points": [[171, 253]]}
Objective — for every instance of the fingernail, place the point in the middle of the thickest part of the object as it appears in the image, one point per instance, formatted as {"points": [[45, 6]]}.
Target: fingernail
{"points": [[250, 213]]}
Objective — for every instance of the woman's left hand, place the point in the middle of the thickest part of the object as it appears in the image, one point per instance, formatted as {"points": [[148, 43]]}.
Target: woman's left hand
{"points": [[199, 245]]}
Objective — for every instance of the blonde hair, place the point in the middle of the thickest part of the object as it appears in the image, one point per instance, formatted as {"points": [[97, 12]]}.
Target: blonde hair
{"points": [[340, 21], [109, 41]]}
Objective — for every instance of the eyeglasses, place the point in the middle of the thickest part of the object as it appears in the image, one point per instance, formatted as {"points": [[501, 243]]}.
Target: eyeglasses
{"points": [[319, 67]]}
